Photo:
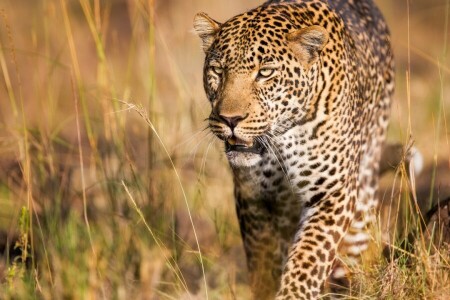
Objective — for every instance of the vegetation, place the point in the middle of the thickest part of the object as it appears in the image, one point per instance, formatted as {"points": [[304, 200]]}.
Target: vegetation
{"points": [[110, 187]]}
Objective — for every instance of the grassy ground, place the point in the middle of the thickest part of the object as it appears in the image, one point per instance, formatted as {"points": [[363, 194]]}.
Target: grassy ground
{"points": [[110, 188]]}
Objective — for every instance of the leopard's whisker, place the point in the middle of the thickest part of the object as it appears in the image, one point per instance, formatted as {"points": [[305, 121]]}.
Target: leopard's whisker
{"points": [[192, 153], [192, 137], [205, 155], [270, 146]]}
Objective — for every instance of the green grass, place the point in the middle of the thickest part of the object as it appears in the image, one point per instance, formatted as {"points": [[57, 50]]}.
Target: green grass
{"points": [[110, 188]]}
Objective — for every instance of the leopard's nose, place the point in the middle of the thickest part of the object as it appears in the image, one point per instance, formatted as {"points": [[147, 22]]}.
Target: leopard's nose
{"points": [[232, 121]]}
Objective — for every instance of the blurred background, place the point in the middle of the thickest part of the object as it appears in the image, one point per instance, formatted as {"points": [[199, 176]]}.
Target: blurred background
{"points": [[109, 185]]}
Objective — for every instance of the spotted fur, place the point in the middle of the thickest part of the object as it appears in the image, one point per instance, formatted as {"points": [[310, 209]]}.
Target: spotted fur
{"points": [[300, 94]]}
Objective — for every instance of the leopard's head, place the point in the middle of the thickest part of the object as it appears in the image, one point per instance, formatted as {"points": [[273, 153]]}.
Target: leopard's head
{"points": [[257, 76]]}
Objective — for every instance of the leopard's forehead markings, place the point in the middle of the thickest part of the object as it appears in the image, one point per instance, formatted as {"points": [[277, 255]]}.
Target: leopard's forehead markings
{"points": [[249, 39]]}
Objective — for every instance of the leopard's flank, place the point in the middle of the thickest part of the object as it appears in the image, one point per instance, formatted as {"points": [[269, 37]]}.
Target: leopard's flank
{"points": [[300, 94]]}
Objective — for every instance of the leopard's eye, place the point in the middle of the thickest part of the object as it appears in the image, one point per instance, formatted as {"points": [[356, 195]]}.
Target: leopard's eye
{"points": [[217, 70], [265, 72]]}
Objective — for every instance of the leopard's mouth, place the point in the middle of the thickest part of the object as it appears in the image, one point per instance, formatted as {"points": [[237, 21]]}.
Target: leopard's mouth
{"points": [[238, 145]]}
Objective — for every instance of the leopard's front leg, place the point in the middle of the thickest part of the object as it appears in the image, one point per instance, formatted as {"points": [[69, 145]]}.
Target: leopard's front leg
{"points": [[262, 245], [311, 257]]}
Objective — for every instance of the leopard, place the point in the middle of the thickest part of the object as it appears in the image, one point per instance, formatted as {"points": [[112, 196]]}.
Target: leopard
{"points": [[300, 95]]}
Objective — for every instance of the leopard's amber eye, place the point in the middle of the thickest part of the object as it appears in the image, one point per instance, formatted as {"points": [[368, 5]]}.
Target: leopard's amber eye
{"points": [[217, 70], [265, 72]]}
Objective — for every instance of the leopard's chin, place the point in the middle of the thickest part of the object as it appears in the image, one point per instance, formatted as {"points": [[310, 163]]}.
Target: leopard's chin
{"points": [[243, 154], [243, 159]]}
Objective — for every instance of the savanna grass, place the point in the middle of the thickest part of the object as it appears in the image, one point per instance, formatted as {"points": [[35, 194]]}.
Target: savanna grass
{"points": [[111, 189]]}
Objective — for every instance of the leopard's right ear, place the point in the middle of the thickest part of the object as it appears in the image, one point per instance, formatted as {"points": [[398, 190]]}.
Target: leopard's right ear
{"points": [[308, 42], [206, 28]]}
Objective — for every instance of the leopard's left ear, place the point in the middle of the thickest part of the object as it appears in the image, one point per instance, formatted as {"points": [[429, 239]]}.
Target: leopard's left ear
{"points": [[308, 42], [206, 28]]}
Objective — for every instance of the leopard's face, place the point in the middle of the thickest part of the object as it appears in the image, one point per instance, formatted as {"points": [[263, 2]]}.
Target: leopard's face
{"points": [[256, 79]]}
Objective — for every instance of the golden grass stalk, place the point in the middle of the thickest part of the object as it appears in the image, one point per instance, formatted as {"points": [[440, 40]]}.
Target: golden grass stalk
{"points": [[173, 266], [143, 113]]}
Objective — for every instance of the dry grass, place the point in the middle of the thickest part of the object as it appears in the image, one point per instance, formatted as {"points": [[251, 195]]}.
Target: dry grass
{"points": [[99, 199]]}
